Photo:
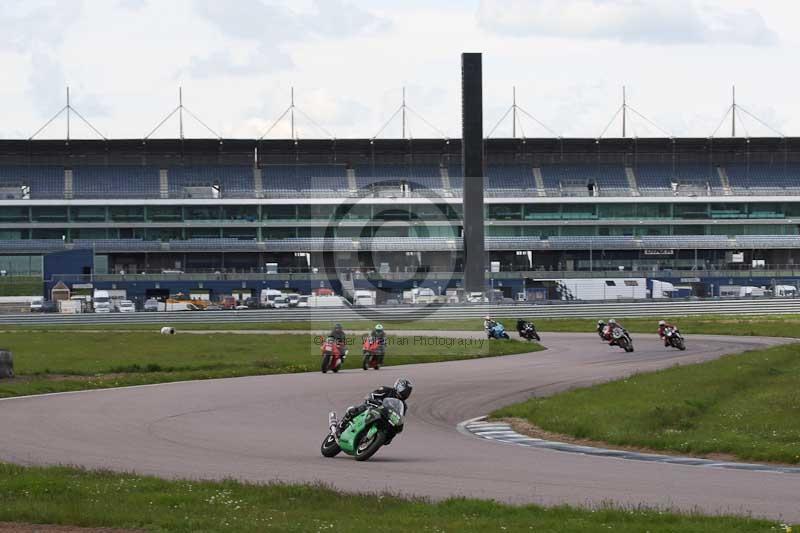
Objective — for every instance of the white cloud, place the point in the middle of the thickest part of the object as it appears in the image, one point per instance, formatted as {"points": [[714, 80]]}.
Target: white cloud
{"points": [[265, 30], [673, 22]]}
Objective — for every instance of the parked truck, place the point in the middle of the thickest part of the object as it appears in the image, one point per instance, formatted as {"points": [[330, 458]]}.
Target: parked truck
{"points": [[363, 298], [101, 302], [268, 296]]}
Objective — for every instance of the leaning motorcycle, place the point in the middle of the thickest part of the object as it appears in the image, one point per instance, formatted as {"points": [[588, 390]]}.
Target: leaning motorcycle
{"points": [[367, 432], [333, 354], [372, 351], [622, 339], [528, 332], [498, 331], [674, 338]]}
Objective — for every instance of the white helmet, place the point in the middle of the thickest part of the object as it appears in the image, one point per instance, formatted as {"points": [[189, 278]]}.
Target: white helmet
{"points": [[662, 323], [487, 317], [612, 321]]}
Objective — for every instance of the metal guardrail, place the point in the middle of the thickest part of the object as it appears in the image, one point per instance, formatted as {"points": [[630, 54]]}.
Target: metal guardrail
{"points": [[410, 313]]}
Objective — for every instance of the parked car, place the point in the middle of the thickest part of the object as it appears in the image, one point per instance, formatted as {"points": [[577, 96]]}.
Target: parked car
{"points": [[252, 303], [293, 299], [126, 306], [151, 305], [49, 307], [36, 306], [303, 301], [281, 302], [214, 307], [241, 307]]}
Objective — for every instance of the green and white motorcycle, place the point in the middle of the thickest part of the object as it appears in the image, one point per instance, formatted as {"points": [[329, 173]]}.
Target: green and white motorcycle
{"points": [[367, 432]]}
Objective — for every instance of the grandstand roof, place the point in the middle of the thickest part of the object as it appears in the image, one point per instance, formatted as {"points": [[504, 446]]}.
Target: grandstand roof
{"points": [[243, 151]]}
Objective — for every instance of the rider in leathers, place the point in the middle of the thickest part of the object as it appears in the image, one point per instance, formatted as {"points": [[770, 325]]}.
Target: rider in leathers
{"points": [[608, 328], [380, 334], [663, 325], [401, 390]]}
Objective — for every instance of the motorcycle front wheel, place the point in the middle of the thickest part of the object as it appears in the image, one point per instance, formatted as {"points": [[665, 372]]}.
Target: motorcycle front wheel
{"points": [[365, 361], [368, 446], [326, 361], [329, 447]]}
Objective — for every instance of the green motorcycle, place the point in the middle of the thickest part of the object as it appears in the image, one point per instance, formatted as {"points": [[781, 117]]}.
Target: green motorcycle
{"points": [[367, 432]]}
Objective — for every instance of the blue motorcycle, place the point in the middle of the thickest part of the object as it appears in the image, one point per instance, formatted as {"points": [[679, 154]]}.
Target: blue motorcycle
{"points": [[498, 331]]}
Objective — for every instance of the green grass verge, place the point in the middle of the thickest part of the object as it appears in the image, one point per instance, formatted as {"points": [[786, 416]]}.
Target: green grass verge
{"points": [[764, 325], [66, 496], [63, 361], [744, 405], [21, 286]]}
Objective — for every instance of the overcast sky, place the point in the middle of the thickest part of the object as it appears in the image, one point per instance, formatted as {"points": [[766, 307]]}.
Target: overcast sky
{"points": [[348, 61]]}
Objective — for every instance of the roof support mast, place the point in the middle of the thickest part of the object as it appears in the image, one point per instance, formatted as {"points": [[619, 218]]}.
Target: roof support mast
{"points": [[180, 112], [404, 112], [68, 109], [733, 111], [624, 112], [514, 111], [291, 113]]}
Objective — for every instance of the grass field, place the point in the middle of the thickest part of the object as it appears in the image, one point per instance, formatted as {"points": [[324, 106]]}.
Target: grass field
{"points": [[99, 499], [20, 286], [764, 325], [744, 405], [63, 361]]}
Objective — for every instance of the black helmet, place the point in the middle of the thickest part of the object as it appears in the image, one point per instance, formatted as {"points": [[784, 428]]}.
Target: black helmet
{"points": [[337, 326], [403, 387]]}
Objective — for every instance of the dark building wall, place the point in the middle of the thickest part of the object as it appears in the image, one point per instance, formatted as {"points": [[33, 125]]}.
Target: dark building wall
{"points": [[75, 262]]}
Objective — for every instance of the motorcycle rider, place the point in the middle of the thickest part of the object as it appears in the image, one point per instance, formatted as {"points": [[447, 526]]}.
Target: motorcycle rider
{"points": [[341, 339], [379, 333], [488, 322], [608, 328], [401, 390], [601, 326], [662, 326]]}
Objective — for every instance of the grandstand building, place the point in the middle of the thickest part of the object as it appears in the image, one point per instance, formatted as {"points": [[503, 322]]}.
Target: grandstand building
{"points": [[285, 211]]}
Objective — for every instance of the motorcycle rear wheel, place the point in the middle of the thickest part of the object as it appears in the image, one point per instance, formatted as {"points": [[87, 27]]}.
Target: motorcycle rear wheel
{"points": [[330, 448], [367, 449]]}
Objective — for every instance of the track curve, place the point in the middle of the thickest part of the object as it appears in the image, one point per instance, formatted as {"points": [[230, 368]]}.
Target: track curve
{"points": [[268, 428]]}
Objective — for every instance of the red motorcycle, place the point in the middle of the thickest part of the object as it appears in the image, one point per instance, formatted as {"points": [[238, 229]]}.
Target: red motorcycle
{"points": [[372, 349], [333, 354]]}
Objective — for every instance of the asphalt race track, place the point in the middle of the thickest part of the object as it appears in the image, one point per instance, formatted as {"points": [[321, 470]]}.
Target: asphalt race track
{"points": [[268, 428]]}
